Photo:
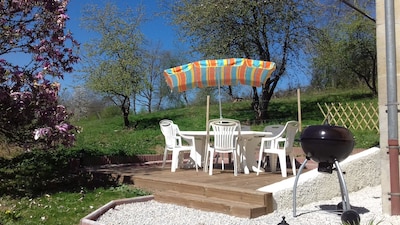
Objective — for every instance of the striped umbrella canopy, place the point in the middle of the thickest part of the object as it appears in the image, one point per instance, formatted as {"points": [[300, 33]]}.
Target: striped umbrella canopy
{"points": [[219, 72]]}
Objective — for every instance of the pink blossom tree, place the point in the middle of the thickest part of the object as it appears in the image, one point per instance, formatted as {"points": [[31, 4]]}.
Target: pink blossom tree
{"points": [[35, 50]]}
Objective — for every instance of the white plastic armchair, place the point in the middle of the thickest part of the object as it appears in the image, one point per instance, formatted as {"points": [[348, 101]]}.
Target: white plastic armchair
{"points": [[274, 129], [225, 140], [277, 131], [273, 146], [173, 143]]}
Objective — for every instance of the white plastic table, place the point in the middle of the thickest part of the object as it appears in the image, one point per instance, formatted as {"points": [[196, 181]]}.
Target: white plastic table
{"points": [[248, 147]]}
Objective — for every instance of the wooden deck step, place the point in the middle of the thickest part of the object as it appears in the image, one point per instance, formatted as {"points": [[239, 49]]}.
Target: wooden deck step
{"points": [[212, 204], [224, 199]]}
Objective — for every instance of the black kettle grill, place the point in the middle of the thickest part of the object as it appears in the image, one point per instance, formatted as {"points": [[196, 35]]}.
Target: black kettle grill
{"points": [[328, 145]]}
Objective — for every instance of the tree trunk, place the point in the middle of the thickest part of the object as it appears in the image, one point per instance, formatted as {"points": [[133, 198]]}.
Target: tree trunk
{"points": [[230, 93], [125, 108], [126, 119], [149, 102], [256, 104], [185, 98], [134, 104], [261, 108], [265, 99]]}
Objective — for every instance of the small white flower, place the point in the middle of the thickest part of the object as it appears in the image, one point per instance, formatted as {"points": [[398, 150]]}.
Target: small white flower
{"points": [[37, 134], [43, 218]]}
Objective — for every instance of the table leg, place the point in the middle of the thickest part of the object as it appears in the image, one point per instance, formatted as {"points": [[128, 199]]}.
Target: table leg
{"points": [[252, 148], [242, 156], [200, 145]]}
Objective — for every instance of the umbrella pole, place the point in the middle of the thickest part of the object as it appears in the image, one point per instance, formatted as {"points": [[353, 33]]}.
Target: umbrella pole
{"points": [[205, 155], [208, 110], [207, 138], [299, 108], [219, 95]]}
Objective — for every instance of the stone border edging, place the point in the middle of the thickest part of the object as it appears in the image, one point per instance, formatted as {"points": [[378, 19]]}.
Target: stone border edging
{"points": [[91, 218]]}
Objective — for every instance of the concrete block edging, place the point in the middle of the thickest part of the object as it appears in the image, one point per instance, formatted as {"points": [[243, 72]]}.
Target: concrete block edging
{"points": [[92, 217], [361, 170]]}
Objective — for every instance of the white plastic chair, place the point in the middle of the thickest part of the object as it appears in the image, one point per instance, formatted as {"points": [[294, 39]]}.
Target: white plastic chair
{"points": [[225, 140], [276, 130], [245, 128], [273, 145], [173, 143]]}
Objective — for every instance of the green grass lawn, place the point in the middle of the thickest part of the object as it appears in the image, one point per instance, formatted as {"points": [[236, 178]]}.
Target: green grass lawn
{"points": [[108, 136], [62, 208]]}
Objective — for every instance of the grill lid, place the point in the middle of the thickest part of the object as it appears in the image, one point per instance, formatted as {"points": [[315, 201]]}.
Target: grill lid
{"points": [[326, 143], [326, 132]]}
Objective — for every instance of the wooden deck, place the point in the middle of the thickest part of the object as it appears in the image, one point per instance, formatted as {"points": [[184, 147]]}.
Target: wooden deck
{"points": [[221, 178], [222, 192]]}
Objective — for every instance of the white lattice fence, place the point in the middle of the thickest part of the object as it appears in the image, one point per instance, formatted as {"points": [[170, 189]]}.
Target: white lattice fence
{"points": [[357, 116]]}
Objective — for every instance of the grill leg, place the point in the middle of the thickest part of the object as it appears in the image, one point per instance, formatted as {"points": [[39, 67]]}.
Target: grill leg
{"points": [[343, 188], [295, 185]]}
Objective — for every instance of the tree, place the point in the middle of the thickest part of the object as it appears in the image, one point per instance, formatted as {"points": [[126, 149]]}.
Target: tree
{"points": [[83, 103], [345, 54], [164, 92], [153, 70], [34, 51], [113, 61], [267, 30], [156, 92]]}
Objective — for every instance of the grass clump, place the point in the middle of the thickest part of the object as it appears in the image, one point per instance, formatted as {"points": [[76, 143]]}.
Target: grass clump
{"points": [[370, 222], [41, 187], [62, 208]]}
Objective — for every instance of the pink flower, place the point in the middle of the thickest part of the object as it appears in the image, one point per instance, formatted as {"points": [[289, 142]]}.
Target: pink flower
{"points": [[39, 75], [42, 132], [62, 127], [39, 58], [27, 90], [15, 95]]}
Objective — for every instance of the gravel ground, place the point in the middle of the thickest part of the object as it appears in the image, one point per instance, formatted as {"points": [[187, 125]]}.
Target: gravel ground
{"points": [[367, 202]]}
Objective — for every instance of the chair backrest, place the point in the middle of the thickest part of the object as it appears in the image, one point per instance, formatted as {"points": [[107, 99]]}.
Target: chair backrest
{"points": [[226, 134], [275, 129], [291, 129], [169, 130], [245, 128]]}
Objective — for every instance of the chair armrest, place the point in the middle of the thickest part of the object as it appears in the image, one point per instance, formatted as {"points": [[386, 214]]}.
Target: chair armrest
{"points": [[189, 139], [179, 140], [270, 138], [274, 141], [281, 139]]}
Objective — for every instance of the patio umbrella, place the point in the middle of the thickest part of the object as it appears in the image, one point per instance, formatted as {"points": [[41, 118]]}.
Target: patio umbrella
{"points": [[219, 72]]}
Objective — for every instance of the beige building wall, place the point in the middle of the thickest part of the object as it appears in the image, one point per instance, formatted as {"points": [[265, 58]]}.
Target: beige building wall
{"points": [[383, 123]]}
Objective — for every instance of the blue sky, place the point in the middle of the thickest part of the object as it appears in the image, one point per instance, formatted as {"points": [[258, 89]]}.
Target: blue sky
{"points": [[155, 28]]}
